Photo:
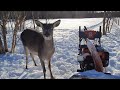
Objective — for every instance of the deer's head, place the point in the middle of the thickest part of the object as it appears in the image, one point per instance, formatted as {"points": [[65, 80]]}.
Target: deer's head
{"points": [[47, 29]]}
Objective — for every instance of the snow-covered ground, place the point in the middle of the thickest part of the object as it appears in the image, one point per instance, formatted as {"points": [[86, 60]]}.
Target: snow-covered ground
{"points": [[64, 61]]}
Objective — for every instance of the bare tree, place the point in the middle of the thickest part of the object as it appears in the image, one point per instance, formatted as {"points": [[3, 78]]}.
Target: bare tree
{"points": [[108, 20], [104, 18], [4, 19], [18, 20], [1, 47], [22, 24], [33, 19]]}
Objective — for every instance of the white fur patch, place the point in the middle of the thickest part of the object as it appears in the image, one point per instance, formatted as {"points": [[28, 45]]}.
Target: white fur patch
{"points": [[48, 38]]}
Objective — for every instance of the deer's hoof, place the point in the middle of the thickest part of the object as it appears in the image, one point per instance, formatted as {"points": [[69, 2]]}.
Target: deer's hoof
{"points": [[26, 68], [35, 64], [52, 77]]}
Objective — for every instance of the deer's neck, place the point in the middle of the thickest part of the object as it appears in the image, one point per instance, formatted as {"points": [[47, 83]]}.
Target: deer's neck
{"points": [[49, 43]]}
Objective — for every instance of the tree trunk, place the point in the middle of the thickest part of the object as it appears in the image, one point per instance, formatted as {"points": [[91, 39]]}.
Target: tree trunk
{"points": [[22, 25], [111, 25], [33, 20], [104, 22], [1, 47], [19, 20], [14, 41], [4, 16], [104, 32], [4, 38], [107, 25], [118, 21]]}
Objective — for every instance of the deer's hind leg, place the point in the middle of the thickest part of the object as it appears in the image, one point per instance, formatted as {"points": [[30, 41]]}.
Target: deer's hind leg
{"points": [[33, 59], [26, 52]]}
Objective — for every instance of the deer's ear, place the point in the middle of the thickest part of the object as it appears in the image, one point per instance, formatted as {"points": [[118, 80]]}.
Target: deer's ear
{"points": [[55, 24], [38, 23]]}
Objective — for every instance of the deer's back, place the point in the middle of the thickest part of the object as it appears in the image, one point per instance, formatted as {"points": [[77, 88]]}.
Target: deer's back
{"points": [[32, 40]]}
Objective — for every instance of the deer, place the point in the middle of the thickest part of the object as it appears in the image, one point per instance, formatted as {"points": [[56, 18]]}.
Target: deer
{"points": [[40, 44]]}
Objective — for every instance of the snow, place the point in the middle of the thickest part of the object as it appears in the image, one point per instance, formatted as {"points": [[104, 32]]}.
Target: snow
{"points": [[93, 74], [64, 61]]}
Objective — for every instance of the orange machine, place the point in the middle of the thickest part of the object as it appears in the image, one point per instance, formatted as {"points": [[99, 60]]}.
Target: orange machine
{"points": [[86, 60]]}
